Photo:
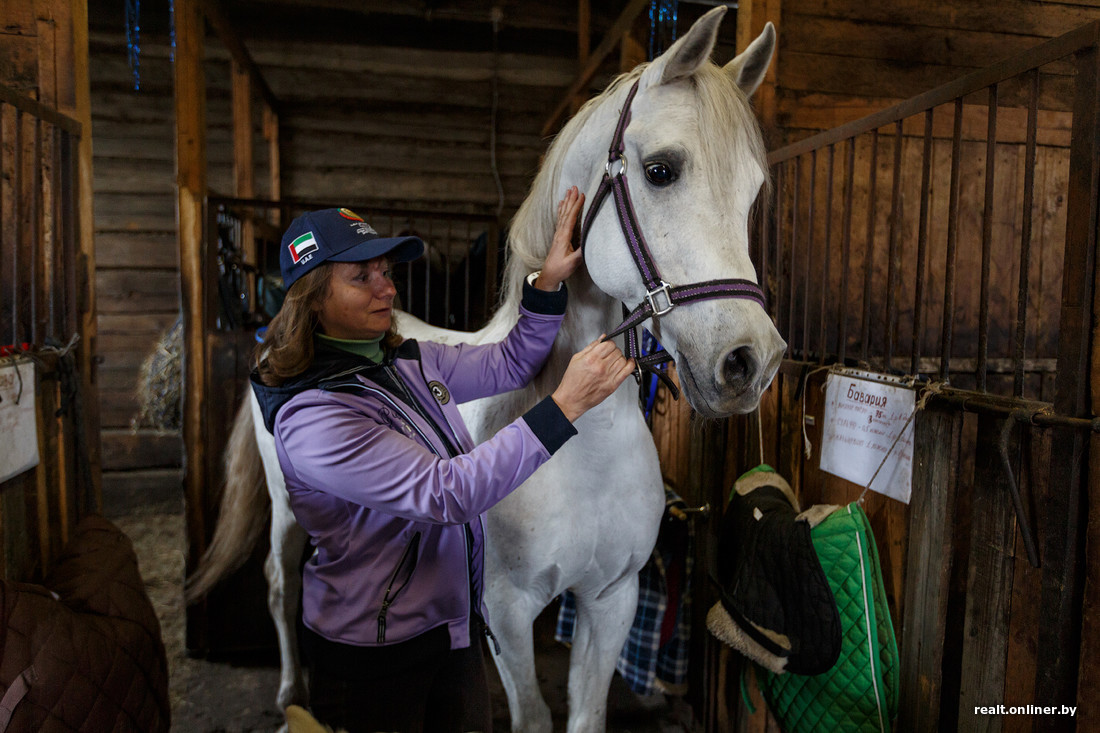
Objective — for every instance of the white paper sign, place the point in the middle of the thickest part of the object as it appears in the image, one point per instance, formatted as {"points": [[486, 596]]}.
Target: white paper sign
{"points": [[864, 413], [18, 425]]}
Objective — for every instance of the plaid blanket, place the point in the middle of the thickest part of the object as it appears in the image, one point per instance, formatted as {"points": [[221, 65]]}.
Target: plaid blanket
{"points": [[655, 656]]}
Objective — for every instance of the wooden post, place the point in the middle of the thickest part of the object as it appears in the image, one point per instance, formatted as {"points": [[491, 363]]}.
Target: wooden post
{"points": [[92, 495], [1059, 648], [752, 15], [243, 169], [631, 50], [614, 35], [271, 135], [928, 571], [190, 102], [989, 579], [584, 46]]}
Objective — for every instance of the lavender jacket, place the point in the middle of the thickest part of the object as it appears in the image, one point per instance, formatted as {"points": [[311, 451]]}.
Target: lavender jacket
{"points": [[383, 475]]}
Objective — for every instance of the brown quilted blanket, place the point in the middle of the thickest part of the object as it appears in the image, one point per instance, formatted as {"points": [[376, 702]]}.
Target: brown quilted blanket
{"points": [[91, 660]]}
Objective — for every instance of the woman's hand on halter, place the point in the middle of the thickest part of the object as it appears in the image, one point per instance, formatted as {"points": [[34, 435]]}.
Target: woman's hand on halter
{"points": [[593, 374], [562, 259]]}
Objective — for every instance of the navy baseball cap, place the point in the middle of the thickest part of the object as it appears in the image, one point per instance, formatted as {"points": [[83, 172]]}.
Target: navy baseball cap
{"points": [[337, 235]]}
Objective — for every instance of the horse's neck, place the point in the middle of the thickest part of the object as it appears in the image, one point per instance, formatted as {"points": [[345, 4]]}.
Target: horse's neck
{"points": [[591, 314]]}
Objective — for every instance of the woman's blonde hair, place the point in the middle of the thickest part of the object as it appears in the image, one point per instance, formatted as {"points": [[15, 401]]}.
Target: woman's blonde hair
{"points": [[287, 348]]}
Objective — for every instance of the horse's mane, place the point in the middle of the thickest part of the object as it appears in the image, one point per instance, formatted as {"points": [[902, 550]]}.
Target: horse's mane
{"points": [[532, 227]]}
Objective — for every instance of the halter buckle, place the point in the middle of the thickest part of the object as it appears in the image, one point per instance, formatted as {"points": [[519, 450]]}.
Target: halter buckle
{"points": [[663, 289], [622, 171]]}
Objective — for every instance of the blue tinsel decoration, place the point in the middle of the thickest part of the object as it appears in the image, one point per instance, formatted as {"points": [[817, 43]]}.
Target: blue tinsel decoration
{"points": [[133, 39], [172, 31], [663, 15]]}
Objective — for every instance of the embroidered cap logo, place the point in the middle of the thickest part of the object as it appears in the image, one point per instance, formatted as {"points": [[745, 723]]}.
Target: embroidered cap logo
{"points": [[302, 247]]}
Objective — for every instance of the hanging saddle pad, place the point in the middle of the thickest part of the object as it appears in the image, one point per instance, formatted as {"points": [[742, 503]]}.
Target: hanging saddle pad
{"points": [[860, 691], [776, 606]]}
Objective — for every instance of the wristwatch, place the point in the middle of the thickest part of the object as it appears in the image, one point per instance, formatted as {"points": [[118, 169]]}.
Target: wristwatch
{"points": [[535, 276]]}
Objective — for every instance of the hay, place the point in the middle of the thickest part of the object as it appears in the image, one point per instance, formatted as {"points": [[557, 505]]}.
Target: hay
{"points": [[159, 385]]}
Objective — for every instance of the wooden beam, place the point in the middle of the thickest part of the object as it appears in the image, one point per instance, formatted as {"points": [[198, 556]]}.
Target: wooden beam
{"points": [[610, 40], [752, 16], [85, 233], [274, 170], [190, 103], [243, 168], [219, 21], [584, 46]]}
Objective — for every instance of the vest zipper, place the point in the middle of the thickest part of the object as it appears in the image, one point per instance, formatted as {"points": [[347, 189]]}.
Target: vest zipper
{"points": [[387, 600]]}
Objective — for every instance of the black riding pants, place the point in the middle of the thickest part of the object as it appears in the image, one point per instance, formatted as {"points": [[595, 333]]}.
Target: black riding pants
{"points": [[417, 685]]}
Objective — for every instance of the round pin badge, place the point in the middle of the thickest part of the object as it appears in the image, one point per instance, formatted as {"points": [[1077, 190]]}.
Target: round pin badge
{"points": [[442, 396]]}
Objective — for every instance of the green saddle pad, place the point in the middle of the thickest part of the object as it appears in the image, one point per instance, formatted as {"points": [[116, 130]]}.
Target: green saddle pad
{"points": [[860, 692]]}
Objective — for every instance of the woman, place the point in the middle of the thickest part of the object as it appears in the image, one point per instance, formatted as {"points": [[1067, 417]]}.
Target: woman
{"points": [[383, 475]]}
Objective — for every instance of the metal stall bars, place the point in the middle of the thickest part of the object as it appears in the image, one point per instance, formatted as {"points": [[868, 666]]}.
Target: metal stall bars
{"points": [[43, 292], [975, 205]]}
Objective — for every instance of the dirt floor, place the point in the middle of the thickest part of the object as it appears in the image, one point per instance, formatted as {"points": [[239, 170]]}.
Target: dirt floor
{"points": [[212, 697]]}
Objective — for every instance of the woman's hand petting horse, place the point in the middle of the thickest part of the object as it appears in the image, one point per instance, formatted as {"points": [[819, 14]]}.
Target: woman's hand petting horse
{"points": [[593, 374], [563, 259]]}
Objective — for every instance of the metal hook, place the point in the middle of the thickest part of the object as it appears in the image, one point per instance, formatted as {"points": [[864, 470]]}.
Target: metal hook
{"points": [[1013, 487]]}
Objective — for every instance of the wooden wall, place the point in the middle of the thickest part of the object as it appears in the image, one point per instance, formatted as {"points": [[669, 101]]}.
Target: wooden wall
{"points": [[371, 120], [137, 275], [843, 59]]}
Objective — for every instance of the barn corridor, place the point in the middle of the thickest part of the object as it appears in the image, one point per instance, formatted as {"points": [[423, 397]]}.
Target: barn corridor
{"points": [[220, 697]]}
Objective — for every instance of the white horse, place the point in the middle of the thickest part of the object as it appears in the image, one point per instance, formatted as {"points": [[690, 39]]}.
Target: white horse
{"points": [[587, 520]]}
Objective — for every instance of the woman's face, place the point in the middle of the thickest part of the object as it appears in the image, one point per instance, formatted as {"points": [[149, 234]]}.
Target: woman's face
{"points": [[359, 304]]}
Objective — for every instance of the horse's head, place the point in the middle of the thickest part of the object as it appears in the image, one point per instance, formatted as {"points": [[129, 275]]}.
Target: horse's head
{"points": [[695, 164]]}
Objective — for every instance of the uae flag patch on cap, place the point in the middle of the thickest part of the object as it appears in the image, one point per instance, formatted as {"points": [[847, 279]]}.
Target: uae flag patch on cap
{"points": [[302, 246]]}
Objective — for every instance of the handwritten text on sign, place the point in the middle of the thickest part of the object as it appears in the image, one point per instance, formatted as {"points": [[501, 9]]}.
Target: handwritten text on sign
{"points": [[863, 417], [17, 418]]}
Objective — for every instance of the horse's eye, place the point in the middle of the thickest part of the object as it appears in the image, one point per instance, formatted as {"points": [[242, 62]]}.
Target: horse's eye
{"points": [[659, 173]]}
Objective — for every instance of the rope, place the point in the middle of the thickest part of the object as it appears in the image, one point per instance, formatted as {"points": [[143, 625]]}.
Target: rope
{"points": [[910, 380], [760, 432], [807, 446], [34, 354], [932, 388]]}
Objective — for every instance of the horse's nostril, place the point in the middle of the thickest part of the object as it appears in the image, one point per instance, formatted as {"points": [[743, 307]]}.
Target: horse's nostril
{"points": [[738, 368]]}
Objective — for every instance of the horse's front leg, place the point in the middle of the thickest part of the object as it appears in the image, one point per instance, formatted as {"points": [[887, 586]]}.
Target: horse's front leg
{"points": [[604, 617], [512, 613], [284, 587]]}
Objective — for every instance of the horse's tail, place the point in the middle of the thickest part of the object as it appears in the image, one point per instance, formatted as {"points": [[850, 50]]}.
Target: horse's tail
{"points": [[244, 511]]}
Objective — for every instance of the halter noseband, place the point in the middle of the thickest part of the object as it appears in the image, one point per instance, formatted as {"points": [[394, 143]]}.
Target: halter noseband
{"points": [[660, 297]]}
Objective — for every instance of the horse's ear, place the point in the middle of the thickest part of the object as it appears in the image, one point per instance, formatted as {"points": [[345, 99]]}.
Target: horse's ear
{"points": [[688, 53], [748, 67]]}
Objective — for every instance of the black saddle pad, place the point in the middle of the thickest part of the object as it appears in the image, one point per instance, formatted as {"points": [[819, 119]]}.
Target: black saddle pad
{"points": [[772, 582]]}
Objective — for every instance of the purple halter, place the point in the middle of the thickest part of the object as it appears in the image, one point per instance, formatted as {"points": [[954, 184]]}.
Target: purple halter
{"points": [[660, 297]]}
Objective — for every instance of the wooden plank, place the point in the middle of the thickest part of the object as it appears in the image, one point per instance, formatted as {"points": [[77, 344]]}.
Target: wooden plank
{"points": [[137, 291], [936, 453], [128, 492], [85, 240], [989, 582], [803, 72], [147, 249], [802, 111], [274, 160], [1010, 16], [752, 16], [610, 40], [888, 44], [1063, 573], [1026, 614], [127, 450]]}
